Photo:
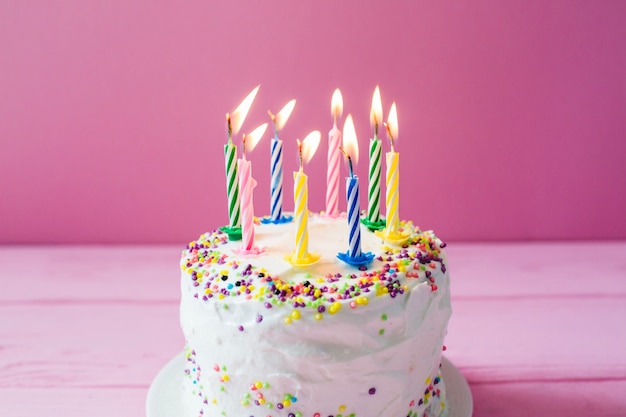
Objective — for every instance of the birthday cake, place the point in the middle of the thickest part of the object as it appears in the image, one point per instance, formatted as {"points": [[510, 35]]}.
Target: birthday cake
{"points": [[267, 338]]}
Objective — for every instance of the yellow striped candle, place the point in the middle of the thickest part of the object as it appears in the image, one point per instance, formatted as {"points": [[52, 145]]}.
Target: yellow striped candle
{"points": [[301, 215], [306, 150], [393, 192], [392, 231]]}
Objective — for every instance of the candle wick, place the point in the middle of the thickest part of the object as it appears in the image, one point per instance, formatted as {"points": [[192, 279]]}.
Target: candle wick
{"points": [[390, 137], [376, 129], [273, 117], [300, 154], [343, 151], [230, 129], [350, 165], [244, 146]]}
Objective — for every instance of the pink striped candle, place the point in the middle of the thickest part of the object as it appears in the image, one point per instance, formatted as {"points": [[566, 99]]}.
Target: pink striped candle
{"points": [[246, 187], [334, 157]]}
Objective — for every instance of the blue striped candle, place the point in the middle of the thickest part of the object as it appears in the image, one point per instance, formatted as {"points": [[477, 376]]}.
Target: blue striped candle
{"points": [[354, 210], [276, 209]]}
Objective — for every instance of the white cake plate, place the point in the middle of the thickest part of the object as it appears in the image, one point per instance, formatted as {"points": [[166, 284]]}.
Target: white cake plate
{"points": [[165, 394]]}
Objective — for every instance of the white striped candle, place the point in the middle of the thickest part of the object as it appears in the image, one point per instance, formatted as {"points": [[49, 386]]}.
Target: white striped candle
{"points": [[393, 175], [233, 124], [393, 192], [246, 185], [351, 150], [332, 173], [306, 150], [334, 157], [276, 203], [373, 195], [232, 184], [301, 213], [354, 210], [276, 162]]}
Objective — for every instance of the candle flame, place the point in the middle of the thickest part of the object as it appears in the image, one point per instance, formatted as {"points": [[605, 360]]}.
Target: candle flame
{"points": [[309, 145], [238, 116], [392, 123], [376, 112], [336, 104], [251, 139], [283, 115], [350, 142]]}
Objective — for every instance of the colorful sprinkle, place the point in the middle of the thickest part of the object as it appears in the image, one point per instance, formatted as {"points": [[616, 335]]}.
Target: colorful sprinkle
{"points": [[227, 278], [219, 277]]}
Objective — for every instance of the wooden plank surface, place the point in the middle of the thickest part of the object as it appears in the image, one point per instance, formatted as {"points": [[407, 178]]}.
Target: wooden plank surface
{"points": [[89, 273], [59, 402], [86, 345], [537, 329]]}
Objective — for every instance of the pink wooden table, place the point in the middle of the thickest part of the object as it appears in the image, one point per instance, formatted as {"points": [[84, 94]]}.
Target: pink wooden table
{"points": [[539, 331]]}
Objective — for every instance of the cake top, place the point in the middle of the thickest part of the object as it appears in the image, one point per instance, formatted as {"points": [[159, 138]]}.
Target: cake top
{"points": [[221, 274]]}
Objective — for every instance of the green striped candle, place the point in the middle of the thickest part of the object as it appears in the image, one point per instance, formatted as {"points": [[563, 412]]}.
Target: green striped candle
{"points": [[373, 220], [373, 195], [232, 184]]}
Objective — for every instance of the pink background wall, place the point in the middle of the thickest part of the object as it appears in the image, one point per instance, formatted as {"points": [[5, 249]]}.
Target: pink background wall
{"points": [[512, 114]]}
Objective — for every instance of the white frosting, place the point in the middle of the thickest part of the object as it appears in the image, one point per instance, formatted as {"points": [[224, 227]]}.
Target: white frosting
{"points": [[376, 356]]}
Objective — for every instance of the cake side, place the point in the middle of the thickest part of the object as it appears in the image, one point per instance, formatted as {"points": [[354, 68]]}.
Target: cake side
{"points": [[265, 338]]}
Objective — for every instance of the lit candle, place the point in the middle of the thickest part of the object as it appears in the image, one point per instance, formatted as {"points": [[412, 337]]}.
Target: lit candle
{"points": [[351, 151], [232, 185], [354, 255], [393, 174], [373, 220], [246, 185], [306, 150], [276, 165], [334, 157], [233, 124]]}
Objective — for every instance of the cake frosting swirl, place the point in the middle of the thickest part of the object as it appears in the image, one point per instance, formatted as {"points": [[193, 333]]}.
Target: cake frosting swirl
{"points": [[265, 338]]}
